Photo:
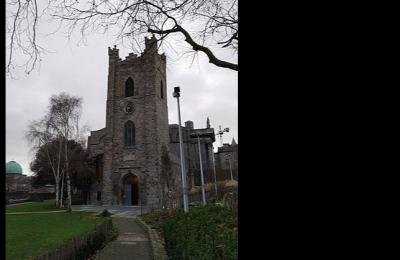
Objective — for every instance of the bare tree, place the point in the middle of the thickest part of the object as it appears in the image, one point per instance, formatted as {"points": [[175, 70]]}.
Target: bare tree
{"points": [[64, 114], [60, 123], [40, 135], [204, 24]]}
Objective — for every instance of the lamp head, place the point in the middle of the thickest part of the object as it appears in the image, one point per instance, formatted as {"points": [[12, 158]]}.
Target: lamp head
{"points": [[177, 92]]}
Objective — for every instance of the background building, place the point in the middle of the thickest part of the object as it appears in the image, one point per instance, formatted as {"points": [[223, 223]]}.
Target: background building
{"points": [[226, 153], [18, 185], [16, 181], [191, 150]]}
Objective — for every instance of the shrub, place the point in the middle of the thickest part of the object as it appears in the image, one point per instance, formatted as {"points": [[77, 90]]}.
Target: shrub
{"points": [[208, 232], [195, 203], [156, 218], [105, 213]]}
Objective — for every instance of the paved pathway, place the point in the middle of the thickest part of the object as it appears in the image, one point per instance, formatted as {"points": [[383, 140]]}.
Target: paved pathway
{"points": [[19, 203], [132, 242], [116, 211]]}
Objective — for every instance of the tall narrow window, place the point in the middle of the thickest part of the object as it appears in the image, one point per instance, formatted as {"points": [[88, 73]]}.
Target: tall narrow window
{"points": [[162, 90], [99, 168], [129, 87], [129, 134]]}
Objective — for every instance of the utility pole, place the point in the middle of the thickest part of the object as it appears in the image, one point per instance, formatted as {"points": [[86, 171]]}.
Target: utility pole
{"points": [[176, 94], [215, 175], [201, 172]]}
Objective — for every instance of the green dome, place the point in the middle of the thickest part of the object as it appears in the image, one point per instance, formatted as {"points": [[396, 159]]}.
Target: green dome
{"points": [[13, 167]]}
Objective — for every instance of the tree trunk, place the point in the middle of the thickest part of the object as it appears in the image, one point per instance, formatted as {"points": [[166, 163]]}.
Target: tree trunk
{"points": [[69, 191], [62, 192], [57, 192], [67, 172], [60, 203]]}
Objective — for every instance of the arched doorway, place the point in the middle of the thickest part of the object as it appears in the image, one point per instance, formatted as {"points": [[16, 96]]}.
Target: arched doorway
{"points": [[130, 190]]}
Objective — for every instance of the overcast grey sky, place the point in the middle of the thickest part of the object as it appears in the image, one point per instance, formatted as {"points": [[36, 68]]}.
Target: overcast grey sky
{"points": [[206, 90]]}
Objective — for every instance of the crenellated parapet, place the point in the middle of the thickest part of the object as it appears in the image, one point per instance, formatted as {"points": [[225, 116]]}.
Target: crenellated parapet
{"points": [[149, 53], [113, 53]]}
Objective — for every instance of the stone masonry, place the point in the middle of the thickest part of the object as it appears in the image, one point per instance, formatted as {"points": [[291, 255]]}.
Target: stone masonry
{"points": [[148, 111], [119, 164]]}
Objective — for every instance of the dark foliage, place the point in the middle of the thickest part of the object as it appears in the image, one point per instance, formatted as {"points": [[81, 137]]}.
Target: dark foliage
{"points": [[80, 167], [105, 213], [40, 166]]}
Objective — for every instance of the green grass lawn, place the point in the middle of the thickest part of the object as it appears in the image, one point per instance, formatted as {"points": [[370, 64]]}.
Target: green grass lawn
{"points": [[34, 234], [46, 205]]}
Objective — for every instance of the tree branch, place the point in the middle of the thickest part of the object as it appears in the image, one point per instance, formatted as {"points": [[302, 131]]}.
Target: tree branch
{"points": [[197, 47]]}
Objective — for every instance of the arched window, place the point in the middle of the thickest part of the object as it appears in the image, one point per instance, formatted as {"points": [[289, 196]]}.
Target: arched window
{"points": [[129, 87], [129, 134], [162, 90]]}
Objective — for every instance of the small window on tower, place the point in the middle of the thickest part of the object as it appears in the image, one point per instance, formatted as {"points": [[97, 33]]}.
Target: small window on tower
{"points": [[129, 87], [162, 90], [129, 134]]}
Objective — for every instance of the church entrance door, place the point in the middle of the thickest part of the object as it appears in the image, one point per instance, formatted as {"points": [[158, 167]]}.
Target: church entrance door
{"points": [[130, 192]]}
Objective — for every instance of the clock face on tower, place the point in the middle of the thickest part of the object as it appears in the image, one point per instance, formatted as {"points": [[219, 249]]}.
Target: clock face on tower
{"points": [[129, 107]]}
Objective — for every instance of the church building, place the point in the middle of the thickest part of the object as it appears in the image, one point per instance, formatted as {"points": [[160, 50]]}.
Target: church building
{"points": [[128, 151]]}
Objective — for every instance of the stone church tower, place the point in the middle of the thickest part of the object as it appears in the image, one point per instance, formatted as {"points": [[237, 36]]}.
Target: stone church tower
{"points": [[128, 149]]}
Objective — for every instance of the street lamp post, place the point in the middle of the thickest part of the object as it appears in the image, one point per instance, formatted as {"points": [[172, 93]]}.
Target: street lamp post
{"points": [[201, 172], [215, 175], [176, 94]]}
